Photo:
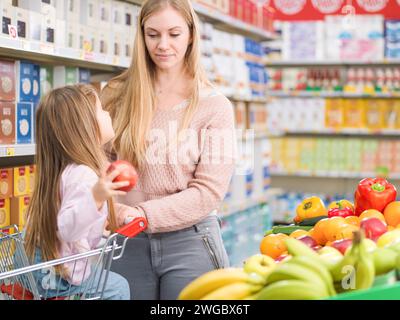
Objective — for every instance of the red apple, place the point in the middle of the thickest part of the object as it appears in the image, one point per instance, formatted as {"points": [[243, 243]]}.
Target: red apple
{"points": [[342, 244], [127, 173], [309, 241], [373, 227], [282, 258]]}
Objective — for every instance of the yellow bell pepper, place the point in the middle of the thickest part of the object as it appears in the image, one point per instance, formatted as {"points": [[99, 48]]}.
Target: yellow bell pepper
{"points": [[310, 208], [341, 204]]}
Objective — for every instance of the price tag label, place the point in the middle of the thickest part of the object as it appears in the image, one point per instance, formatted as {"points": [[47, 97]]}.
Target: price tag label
{"points": [[10, 152]]}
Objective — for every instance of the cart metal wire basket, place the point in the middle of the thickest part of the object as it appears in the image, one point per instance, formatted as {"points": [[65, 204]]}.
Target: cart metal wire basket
{"points": [[20, 280]]}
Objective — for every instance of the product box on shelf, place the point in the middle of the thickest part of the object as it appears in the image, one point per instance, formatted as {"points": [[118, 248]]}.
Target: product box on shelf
{"points": [[374, 114], [64, 76], [105, 43], [22, 23], [240, 115], [28, 86], [4, 212], [7, 80], [6, 183], [354, 113], [68, 10], [46, 79], [35, 26], [334, 113], [19, 209], [7, 122], [37, 5], [49, 24], [89, 13], [32, 178], [257, 117], [21, 181], [24, 122], [84, 75], [7, 15], [105, 7]]}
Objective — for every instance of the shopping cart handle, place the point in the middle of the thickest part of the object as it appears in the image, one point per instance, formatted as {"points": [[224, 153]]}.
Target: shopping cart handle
{"points": [[133, 228]]}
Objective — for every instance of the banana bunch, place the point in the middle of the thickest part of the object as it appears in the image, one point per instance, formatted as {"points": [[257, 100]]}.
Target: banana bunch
{"points": [[223, 284], [356, 270], [303, 277]]}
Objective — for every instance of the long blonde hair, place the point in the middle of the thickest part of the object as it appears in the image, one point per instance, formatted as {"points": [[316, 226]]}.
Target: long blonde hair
{"points": [[67, 132], [130, 97]]}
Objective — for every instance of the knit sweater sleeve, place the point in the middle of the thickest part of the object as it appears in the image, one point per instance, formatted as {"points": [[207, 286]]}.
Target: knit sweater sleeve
{"points": [[206, 190]]}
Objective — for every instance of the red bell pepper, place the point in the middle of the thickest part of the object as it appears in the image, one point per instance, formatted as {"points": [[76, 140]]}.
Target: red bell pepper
{"points": [[373, 194], [340, 212]]}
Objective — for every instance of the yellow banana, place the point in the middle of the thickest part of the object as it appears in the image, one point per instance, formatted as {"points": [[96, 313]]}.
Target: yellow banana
{"points": [[292, 290], [233, 291], [213, 280], [294, 271], [318, 268]]}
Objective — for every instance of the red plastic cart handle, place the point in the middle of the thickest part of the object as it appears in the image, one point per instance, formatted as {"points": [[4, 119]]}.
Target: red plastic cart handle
{"points": [[133, 228]]}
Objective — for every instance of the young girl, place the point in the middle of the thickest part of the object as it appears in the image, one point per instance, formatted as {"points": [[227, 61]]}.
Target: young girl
{"points": [[71, 202]]}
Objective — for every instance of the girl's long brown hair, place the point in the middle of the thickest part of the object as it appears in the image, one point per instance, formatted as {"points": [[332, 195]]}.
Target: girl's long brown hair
{"points": [[130, 97], [67, 132]]}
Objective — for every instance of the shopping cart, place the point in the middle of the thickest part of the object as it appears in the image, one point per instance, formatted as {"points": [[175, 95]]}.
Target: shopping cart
{"points": [[21, 280]]}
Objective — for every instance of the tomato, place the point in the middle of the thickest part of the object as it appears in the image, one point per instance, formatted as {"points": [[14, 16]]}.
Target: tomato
{"points": [[127, 173]]}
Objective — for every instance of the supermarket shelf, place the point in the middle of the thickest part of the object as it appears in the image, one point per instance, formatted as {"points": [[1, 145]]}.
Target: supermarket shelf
{"points": [[337, 132], [39, 52], [305, 63], [17, 150], [316, 94], [227, 23], [248, 99], [330, 174]]}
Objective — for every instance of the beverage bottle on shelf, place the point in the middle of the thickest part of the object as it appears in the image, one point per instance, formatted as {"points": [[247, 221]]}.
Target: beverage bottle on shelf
{"points": [[389, 80], [350, 84], [360, 80], [310, 80], [326, 81], [380, 80], [318, 80], [336, 80], [369, 81], [396, 79]]}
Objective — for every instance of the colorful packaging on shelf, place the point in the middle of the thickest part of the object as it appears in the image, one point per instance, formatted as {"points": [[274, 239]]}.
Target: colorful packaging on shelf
{"points": [[32, 177], [28, 86], [6, 183], [64, 76], [354, 113], [4, 212], [7, 80], [24, 122], [49, 23], [46, 79], [374, 114], [84, 75], [21, 181], [240, 115], [8, 18], [19, 209], [334, 113], [7, 122]]}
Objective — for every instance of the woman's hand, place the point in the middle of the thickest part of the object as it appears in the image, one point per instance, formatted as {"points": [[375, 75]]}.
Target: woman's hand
{"points": [[105, 188]]}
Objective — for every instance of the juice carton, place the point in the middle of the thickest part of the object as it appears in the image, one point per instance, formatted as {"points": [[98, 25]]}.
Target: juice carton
{"points": [[334, 113], [354, 113], [374, 114]]}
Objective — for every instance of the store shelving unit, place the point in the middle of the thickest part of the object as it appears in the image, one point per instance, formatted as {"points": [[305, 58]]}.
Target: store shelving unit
{"points": [[227, 23], [321, 94], [318, 63]]}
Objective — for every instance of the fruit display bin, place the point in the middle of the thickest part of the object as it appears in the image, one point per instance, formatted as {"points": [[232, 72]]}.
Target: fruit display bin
{"points": [[384, 292]]}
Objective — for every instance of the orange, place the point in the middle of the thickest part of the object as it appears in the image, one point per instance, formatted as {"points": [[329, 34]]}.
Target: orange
{"points": [[273, 245], [392, 213], [318, 231], [346, 232], [390, 228], [333, 227], [329, 243], [353, 220], [372, 213], [298, 233]]}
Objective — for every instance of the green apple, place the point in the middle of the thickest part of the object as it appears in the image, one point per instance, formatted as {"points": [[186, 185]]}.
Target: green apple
{"points": [[260, 264], [330, 256], [384, 260]]}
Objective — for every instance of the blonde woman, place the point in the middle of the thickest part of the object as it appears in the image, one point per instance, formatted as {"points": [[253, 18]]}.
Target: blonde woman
{"points": [[179, 133], [72, 198]]}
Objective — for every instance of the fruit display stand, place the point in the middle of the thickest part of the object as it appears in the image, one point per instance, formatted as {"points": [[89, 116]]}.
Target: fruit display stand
{"points": [[384, 292]]}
